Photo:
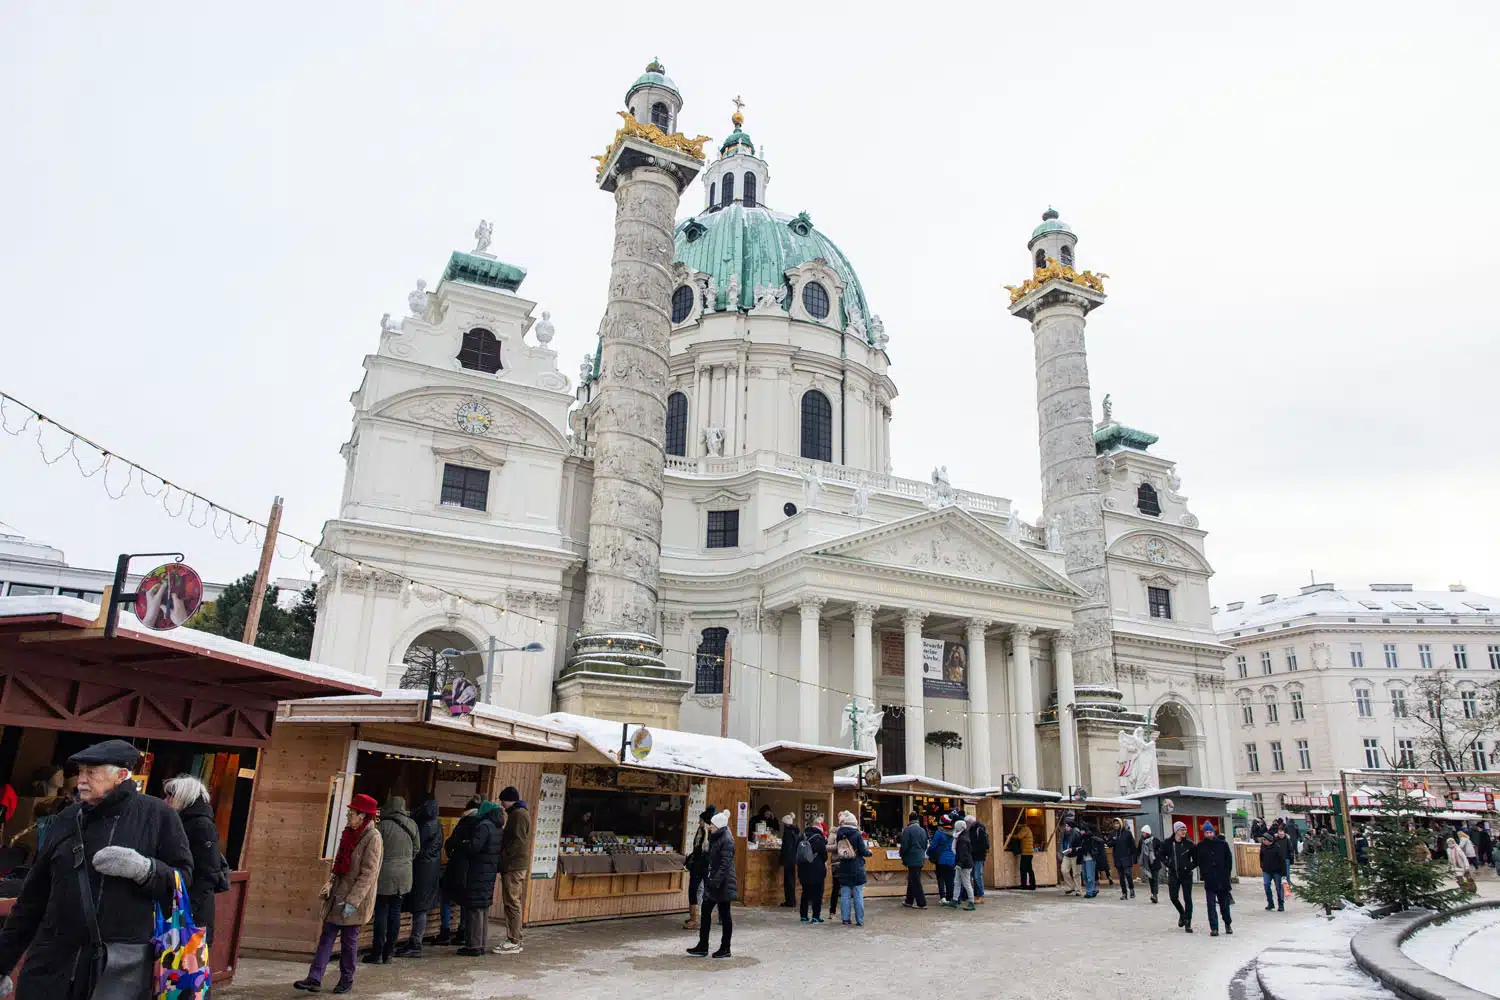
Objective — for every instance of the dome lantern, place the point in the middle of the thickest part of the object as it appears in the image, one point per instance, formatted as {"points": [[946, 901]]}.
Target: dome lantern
{"points": [[654, 98], [1054, 239], [739, 175]]}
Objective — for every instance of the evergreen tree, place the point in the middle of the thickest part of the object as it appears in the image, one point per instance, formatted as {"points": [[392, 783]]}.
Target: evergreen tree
{"points": [[945, 740], [280, 630], [1328, 881], [1400, 870]]}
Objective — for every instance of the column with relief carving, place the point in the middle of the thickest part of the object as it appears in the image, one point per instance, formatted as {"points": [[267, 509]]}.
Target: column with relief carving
{"points": [[1023, 684], [979, 706], [913, 707], [1067, 725], [810, 672]]}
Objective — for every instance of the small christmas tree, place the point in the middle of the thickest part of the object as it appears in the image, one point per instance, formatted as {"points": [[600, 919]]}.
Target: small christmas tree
{"points": [[1400, 872], [1327, 881], [945, 740]]}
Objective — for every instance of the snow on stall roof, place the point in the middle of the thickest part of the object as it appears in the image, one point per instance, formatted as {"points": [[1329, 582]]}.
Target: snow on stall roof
{"points": [[814, 748], [204, 642], [1354, 603], [922, 779], [673, 750], [418, 696]]}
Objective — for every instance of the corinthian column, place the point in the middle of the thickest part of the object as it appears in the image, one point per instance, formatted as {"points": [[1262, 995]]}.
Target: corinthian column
{"points": [[916, 713], [979, 706], [810, 672], [1067, 725], [1024, 687]]}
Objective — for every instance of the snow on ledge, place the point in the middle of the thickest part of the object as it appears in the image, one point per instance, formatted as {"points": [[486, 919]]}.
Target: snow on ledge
{"points": [[673, 750]]}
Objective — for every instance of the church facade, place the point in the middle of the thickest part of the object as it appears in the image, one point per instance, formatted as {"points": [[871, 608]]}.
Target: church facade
{"points": [[718, 481]]}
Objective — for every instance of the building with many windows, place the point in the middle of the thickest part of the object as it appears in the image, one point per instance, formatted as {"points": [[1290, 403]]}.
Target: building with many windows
{"points": [[1325, 679], [720, 477]]}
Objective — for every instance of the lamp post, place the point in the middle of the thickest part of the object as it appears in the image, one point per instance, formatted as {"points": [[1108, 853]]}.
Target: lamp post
{"points": [[492, 648]]}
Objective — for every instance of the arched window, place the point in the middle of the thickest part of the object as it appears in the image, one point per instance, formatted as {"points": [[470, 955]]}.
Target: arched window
{"points": [[1067, 255], [682, 303], [817, 426], [749, 190], [710, 679], [713, 195], [1146, 500], [480, 351], [1041, 257], [815, 300], [677, 424], [661, 116], [728, 189]]}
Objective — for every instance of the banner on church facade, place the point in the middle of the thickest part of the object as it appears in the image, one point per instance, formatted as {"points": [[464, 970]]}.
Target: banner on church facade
{"points": [[945, 665]]}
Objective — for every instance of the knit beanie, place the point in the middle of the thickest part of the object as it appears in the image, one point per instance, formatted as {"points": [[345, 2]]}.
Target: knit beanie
{"points": [[721, 820], [1179, 825]]}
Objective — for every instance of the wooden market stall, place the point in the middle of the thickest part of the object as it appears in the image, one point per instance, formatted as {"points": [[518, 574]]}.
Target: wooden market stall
{"points": [[327, 750], [192, 702], [810, 794], [1005, 813], [614, 817], [882, 812]]}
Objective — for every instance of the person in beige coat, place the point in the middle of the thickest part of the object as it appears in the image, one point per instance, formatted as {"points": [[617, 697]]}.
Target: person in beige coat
{"points": [[349, 896]]}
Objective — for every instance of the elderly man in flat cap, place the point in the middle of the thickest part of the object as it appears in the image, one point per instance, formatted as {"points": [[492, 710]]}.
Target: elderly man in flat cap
{"points": [[125, 848]]}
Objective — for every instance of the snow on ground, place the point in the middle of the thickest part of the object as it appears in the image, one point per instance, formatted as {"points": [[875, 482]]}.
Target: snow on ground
{"points": [[1314, 961], [1462, 948]]}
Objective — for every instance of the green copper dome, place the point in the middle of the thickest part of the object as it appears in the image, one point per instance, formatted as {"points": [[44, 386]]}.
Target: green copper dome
{"points": [[760, 246], [655, 76], [737, 138], [1051, 224]]}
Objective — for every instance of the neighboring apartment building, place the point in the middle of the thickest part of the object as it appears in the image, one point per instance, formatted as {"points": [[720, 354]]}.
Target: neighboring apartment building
{"points": [[1322, 680]]}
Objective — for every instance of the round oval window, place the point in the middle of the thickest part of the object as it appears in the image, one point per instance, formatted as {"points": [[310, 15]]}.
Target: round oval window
{"points": [[682, 303], [815, 300]]}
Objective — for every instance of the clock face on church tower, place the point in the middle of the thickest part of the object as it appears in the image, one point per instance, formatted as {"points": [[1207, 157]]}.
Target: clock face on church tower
{"points": [[473, 417], [1156, 550]]}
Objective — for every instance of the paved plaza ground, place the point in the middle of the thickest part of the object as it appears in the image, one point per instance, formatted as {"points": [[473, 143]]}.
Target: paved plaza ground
{"points": [[1036, 946]]}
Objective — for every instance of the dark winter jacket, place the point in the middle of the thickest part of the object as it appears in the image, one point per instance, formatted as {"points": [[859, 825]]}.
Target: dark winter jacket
{"points": [[940, 848], [1258, 829], [484, 850], [913, 845], [209, 866], [789, 840], [1123, 849], [456, 874], [1179, 858], [516, 856], [697, 859], [398, 835], [850, 871], [963, 850], [1099, 851], [427, 866], [721, 885], [48, 915], [1274, 852], [1215, 863], [979, 840], [1151, 851], [815, 871]]}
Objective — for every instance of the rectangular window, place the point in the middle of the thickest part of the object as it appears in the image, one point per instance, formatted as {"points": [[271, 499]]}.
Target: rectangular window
{"points": [[1406, 753], [1252, 756], [1244, 669], [1247, 712], [1424, 656], [1160, 599], [723, 529], [83, 595], [466, 487], [1272, 712], [1291, 660], [1304, 756], [1390, 656], [710, 663], [1357, 656], [1434, 708], [1461, 656], [1362, 702], [1297, 707], [1494, 657], [1481, 760], [29, 590], [1398, 703], [1470, 701], [1372, 753], [1265, 662], [1278, 762]]}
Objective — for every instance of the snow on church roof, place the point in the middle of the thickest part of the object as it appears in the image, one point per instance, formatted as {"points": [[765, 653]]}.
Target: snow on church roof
{"points": [[673, 750], [1326, 602]]}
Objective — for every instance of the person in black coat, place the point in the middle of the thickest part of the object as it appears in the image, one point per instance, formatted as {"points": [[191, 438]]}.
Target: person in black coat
{"points": [[482, 867], [190, 798], [790, 838], [426, 871], [1215, 866], [1274, 851], [134, 848], [1123, 849], [456, 873], [720, 889], [1179, 858], [813, 873]]}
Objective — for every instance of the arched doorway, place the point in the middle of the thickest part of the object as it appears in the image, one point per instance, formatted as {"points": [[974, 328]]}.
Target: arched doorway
{"points": [[1177, 743], [425, 656]]}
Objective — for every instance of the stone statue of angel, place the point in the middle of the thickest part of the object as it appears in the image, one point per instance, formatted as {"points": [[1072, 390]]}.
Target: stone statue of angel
{"points": [[586, 369], [482, 234], [877, 333], [859, 506], [812, 488], [417, 300], [710, 293], [943, 494], [732, 294], [1054, 534], [713, 441], [1109, 409], [1137, 762]]}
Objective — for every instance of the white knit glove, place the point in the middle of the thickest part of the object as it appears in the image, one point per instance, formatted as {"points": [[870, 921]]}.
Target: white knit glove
{"points": [[123, 862]]}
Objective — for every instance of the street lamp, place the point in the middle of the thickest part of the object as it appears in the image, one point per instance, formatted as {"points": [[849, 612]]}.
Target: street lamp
{"points": [[492, 648]]}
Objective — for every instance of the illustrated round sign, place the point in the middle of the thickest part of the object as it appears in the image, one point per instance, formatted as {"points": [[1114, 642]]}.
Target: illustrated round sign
{"points": [[460, 695], [168, 596], [640, 743]]}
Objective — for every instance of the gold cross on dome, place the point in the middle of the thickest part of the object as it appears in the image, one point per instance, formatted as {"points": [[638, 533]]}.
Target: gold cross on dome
{"points": [[739, 105]]}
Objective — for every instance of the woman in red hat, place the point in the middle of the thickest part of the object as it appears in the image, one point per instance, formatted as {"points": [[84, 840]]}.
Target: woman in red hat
{"points": [[350, 896]]}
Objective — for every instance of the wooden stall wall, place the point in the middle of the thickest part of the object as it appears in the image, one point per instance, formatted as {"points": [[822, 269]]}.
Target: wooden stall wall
{"points": [[282, 913], [726, 794]]}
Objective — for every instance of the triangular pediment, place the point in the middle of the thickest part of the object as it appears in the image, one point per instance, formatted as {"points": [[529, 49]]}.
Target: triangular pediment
{"points": [[949, 542]]}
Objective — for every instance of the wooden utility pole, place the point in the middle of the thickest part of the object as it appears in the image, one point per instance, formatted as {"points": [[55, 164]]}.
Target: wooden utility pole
{"points": [[1348, 828], [258, 594], [724, 708]]}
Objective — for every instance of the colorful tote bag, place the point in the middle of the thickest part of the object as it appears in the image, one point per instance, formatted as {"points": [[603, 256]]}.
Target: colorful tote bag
{"points": [[182, 971]]}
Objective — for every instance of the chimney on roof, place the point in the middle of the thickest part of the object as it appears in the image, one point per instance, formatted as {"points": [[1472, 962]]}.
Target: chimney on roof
{"points": [[1267, 598], [1392, 588], [1235, 605], [1316, 588], [1456, 588]]}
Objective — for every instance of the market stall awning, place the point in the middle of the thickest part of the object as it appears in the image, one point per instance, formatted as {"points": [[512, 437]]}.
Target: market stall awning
{"points": [[671, 750], [920, 784], [1026, 795], [787, 753], [514, 730]]}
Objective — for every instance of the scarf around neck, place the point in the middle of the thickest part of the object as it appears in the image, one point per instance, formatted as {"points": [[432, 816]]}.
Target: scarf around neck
{"points": [[348, 840]]}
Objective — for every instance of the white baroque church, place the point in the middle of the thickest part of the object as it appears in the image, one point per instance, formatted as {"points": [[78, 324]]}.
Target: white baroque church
{"points": [[720, 477]]}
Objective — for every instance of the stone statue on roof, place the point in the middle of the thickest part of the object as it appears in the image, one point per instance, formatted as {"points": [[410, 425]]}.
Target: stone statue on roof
{"points": [[419, 299], [711, 294], [1109, 409], [482, 234], [545, 331]]}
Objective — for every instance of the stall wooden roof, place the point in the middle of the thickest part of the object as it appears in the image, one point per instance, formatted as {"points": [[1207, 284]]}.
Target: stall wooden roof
{"points": [[920, 784], [787, 753], [514, 730], [672, 751]]}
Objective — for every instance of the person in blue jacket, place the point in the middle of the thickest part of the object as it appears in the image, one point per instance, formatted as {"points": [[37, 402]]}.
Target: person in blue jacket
{"points": [[941, 850]]}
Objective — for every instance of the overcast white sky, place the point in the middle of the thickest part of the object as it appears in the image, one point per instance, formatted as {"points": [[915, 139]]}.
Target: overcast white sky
{"points": [[205, 208]]}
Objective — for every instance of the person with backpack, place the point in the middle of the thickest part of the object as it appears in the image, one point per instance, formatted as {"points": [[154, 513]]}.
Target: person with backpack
{"points": [[1123, 850], [1149, 850], [1068, 864], [963, 862], [210, 874], [790, 839], [944, 858], [914, 856], [812, 870], [697, 866], [979, 846], [426, 870], [849, 851], [399, 839]]}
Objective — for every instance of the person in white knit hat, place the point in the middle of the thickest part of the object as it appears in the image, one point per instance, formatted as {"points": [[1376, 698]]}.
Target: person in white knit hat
{"points": [[720, 888]]}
